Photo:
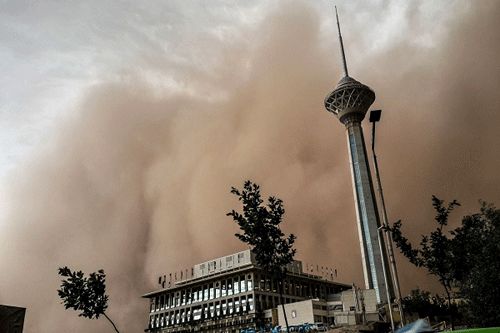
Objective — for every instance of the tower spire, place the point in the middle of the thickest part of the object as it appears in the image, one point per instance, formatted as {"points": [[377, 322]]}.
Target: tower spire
{"points": [[342, 53]]}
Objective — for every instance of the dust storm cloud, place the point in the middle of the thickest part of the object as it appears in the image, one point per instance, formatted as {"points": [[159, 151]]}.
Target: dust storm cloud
{"points": [[137, 178]]}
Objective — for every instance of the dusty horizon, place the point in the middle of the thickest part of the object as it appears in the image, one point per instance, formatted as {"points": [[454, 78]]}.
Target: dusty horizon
{"points": [[134, 175]]}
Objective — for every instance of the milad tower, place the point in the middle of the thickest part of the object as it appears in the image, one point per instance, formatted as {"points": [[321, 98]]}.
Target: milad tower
{"points": [[349, 102]]}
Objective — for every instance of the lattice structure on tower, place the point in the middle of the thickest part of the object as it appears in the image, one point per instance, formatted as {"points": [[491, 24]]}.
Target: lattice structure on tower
{"points": [[350, 96]]}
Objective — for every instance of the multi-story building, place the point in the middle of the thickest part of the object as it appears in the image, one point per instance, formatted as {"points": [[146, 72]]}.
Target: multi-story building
{"points": [[230, 293]]}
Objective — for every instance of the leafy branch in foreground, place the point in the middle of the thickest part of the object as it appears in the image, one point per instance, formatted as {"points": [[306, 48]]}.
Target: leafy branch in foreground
{"points": [[84, 294], [435, 252]]}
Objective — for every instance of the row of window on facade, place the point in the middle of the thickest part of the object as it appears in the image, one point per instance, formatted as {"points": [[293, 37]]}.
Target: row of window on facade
{"points": [[235, 285], [212, 310], [291, 287], [264, 302], [217, 289]]}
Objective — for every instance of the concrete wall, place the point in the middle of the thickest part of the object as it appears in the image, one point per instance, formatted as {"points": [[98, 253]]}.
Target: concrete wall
{"points": [[350, 312], [368, 297], [297, 313]]}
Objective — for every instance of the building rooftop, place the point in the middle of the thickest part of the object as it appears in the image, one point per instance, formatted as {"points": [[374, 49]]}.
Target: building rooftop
{"points": [[221, 266]]}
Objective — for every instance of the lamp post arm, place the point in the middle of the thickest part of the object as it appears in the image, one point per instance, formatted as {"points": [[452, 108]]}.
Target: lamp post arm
{"points": [[388, 236]]}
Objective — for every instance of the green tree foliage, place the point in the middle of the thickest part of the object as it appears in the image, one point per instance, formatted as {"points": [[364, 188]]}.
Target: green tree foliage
{"points": [[424, 304], [260, 226], [435, 252], [465, 260], [84, 294], [477, 249]]}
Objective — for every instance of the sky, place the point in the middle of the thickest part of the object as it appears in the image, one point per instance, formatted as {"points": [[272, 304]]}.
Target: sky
{"points": [[123, 126]]}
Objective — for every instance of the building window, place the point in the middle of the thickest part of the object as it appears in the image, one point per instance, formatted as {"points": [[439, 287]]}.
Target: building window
{"points": [[197, 313], [223, 291], [244, 304], [217, 289], [256, 279], [224, 307], [237, 306], [217, 309], [243, 283], [250, 303], [212, 292], [205, 293], [236, 285]]}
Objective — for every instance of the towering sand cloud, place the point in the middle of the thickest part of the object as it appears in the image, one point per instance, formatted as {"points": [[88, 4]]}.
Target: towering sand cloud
{"points": [[136, 180]]}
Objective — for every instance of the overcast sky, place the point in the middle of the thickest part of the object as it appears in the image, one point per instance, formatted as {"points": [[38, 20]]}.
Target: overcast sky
{"points": [[123, 125], [51, 51]]}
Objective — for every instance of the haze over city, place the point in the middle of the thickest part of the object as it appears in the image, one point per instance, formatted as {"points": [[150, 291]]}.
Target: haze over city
{"points": [[125, 124]]}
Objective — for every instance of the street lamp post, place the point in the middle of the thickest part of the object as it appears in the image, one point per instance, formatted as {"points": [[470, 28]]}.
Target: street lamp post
{"points": [[375, 117]]}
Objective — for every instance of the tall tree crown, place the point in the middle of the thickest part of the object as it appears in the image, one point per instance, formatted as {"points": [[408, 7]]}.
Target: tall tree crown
{"points": [[84, 294], [260, 228]]}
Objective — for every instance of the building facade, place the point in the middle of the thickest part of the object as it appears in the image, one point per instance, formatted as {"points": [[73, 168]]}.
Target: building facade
{"points": [[230, 293], [349, 307]]}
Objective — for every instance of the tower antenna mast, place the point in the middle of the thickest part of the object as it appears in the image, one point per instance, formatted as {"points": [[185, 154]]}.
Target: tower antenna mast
{"points": [[342, 53]]}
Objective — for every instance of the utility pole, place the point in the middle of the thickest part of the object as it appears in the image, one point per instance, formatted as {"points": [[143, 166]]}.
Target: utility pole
{"points": [[375, 117]]}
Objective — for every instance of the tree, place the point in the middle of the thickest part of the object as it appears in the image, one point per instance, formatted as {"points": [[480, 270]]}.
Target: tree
{"points": [[260, 226], [476, 247], [84, 294], [424, 304], [469, 260], [435, 252]]}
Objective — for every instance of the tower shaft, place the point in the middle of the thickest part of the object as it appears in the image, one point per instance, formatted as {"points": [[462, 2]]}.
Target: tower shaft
{"points": [[372, 252]]}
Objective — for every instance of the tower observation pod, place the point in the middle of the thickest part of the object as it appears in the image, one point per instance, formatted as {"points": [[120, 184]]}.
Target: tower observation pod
{"points": [[349, 102]]}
